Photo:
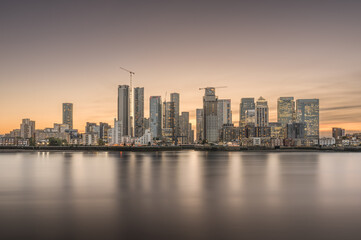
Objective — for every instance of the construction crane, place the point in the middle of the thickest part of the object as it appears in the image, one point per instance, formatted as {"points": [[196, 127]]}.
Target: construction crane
{"points": [[131, 73], [213, 87]]}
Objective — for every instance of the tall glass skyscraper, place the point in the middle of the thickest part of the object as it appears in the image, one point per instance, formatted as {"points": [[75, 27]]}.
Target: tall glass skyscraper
{"points": [[210, 121], [262, 115], [224, 112], [285, 110], [308, 113], [68, 114], [138, 112], [184, 127], [169, 117], [174, 97], [155, 116], [199, 126], [246, 104], [124, 110]]}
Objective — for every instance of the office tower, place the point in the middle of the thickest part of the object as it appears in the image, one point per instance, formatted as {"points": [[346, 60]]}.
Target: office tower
{"points": [[295, 131], [308, 113], [210, 121], [262, 114], [169, 118], [184, 127], [285, 110], [199, 125], [68, 114], [192, 137], [224, 112], [146, 123], [103, 130], [124, 110], [246, 104], [155, 113], [277, 130], [250, 117], [190, 132], [174, 97], [338, 133], [138, 112], [27, 128]]}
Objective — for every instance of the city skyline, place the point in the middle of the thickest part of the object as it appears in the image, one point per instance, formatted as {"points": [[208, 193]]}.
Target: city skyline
{"points": [[146, 114], [54, 53]]}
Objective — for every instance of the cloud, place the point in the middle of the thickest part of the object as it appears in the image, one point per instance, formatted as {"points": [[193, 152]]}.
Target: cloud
{"points": [[340, 108]]}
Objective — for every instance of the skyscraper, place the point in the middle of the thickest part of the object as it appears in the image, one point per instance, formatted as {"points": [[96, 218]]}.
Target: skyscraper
{"points": [[174, 97], [68, 114], [262, 114], [285, 110], [169, 117], [155, 116], [295, 131], [138, 112], [27, 128], [199, 125], [246, 104], [308, 114], [124, 110], [224, 112], [184, 127], [103, 130], [210, 121]]}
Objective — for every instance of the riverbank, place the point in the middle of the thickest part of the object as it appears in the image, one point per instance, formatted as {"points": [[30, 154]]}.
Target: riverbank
{"points": [[174, 148]]}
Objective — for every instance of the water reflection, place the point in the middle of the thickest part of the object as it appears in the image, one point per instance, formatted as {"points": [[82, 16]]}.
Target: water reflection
{"points": [[180, 195]]}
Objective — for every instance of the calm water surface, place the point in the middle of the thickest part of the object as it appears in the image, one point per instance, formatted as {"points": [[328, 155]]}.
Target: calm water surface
{"points": [[180, 195]]}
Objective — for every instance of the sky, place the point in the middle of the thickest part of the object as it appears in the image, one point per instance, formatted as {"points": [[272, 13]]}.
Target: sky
{"points": [[70, 51]]}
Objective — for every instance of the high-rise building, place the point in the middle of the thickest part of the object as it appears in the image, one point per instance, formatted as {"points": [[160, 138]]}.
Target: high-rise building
{"points": [[169, 118], [308, 113], [190, 134], [68, 114], [199, 125], [155, 113], [92, 128], [192, 137], [246, 104], [338, 133], [262, 114], [277, 130], [124, 110], [184, 127], [138, 112], [103, 130], [224, 112], [27, 128], [295, 131], [115, 134], [285, 110], [210, 120], [250, 117], [174, 97], [146, 123]]}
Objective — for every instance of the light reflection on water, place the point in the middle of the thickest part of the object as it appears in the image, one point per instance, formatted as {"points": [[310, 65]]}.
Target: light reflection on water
{"points": [[187, 194]]}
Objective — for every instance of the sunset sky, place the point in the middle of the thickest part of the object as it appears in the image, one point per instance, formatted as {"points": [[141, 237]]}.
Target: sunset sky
{"points": [[70, 51]]}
